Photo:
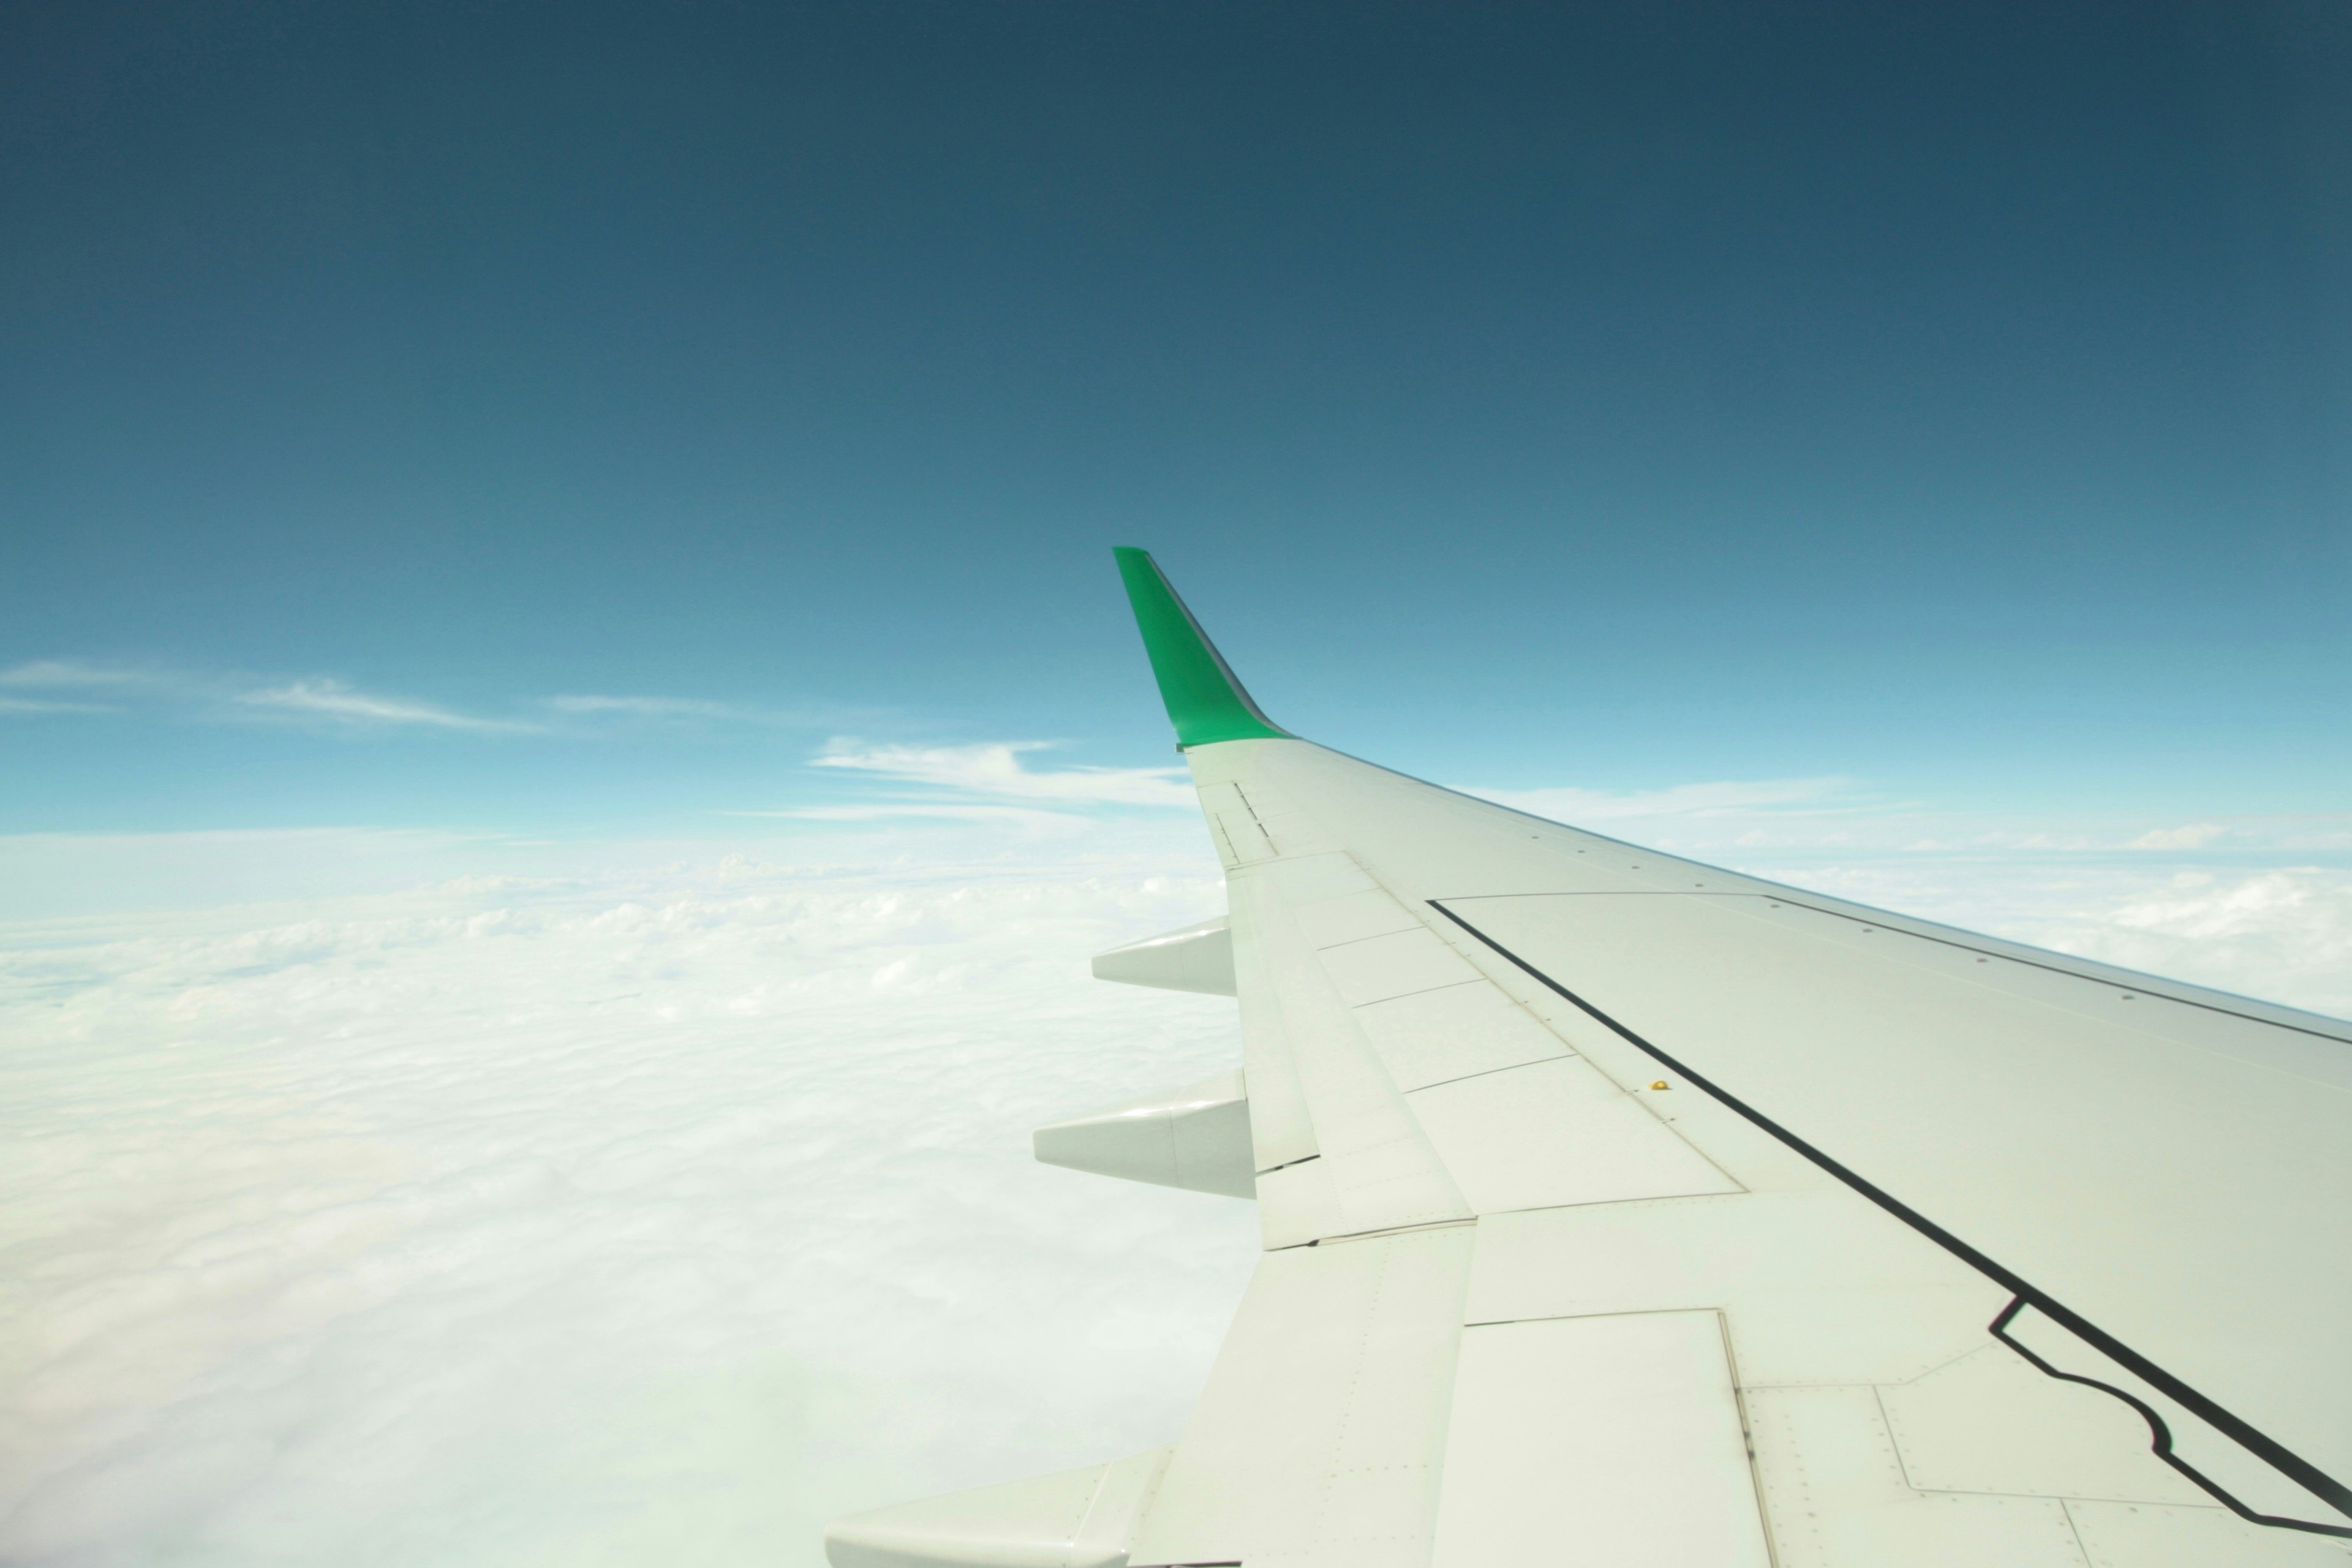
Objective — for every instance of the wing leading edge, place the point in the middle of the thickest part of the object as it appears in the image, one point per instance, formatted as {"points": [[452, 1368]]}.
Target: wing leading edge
{"points": [[1623, 1207]]}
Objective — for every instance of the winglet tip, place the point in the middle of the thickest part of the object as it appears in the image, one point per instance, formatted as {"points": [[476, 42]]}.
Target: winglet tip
{"points": [[1205, 701]]}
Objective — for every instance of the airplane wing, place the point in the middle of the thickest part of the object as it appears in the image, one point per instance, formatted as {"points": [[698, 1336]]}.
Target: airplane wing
{"points": [[1626, 1211]]}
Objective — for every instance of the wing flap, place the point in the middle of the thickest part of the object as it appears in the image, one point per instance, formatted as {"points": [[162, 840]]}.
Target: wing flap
{"points": [[1375, 1169], [1612, 1439], [1557, 1133], [1075, 1518], [1319, 1436], [1455, 1032]]}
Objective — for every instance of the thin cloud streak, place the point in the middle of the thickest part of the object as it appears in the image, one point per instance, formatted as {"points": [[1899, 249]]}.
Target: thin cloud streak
{"points": [[66, 672], [2192, 836], [228, 696], [650, 707], [996, 769], [595, 706], [334, 700], [247, 696]]}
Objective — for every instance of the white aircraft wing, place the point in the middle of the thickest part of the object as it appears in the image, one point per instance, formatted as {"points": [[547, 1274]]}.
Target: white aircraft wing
{"points": [[1625, 1211]]}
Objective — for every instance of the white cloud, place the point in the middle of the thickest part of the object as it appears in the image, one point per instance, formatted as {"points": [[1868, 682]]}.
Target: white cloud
{"points": [[72, 875], [2285, 931], [625, 1216], [996, 769], [2195, 836], [334, 700]]}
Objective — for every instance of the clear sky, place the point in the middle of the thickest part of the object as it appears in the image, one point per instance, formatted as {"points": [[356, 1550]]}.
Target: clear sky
{"points": [[1950, 399]]}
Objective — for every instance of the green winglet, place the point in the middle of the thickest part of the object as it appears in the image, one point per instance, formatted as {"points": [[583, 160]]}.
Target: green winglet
{"points": [[1205, 702]]}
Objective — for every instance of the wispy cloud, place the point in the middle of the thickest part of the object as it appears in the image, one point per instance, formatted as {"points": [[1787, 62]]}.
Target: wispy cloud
{"points": [[2193, 836], [332, 700], [335, 704], [68, 685], [222, 695], [996, 769], [651, 707], [611, 711], [53, 673]]}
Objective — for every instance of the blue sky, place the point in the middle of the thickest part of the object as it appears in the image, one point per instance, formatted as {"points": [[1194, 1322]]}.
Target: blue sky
{"points": [[1526, 396]]}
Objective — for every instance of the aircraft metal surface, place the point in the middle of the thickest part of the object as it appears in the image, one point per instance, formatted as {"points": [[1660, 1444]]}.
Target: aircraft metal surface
{"points": [[1625, 1211]]}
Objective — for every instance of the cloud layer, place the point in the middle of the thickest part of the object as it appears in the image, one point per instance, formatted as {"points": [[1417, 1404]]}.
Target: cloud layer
{"points": [[601, 1219]]}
